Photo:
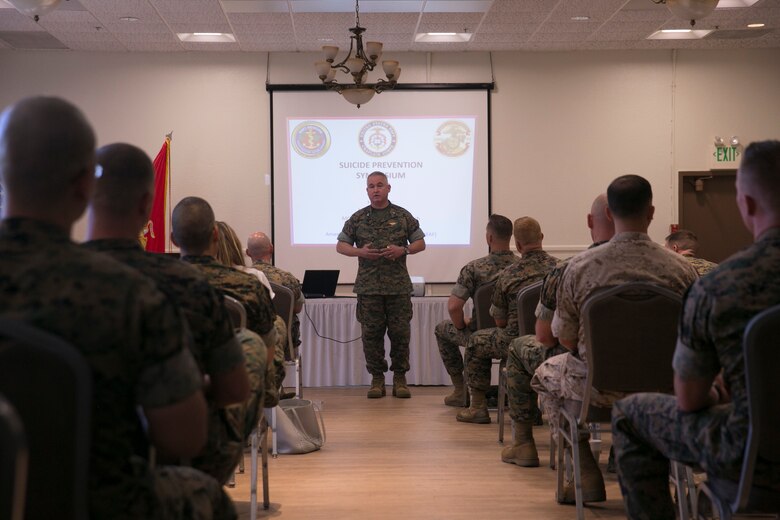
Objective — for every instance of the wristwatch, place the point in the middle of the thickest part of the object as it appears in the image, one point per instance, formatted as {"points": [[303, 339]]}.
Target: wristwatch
{"points": [[406, 250]]}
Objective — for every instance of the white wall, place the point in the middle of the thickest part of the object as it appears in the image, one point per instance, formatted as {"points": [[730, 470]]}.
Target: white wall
{"points": [[564, 123]]}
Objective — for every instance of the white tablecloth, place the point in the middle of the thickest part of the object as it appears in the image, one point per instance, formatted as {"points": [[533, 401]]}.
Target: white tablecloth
{"points": [[329, 363]]}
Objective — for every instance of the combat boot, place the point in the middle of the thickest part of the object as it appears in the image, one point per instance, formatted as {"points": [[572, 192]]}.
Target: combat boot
{"points": [[377, 389], [593, 489], [477, 412], [523, 449], [458, 395], [400, 389]]}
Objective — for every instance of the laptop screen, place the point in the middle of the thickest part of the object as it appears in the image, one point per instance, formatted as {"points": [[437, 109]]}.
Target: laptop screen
{"points": [[320, 283]]}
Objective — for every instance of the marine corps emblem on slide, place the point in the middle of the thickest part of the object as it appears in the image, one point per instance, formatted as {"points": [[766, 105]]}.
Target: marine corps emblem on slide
{"points": [[452, 138], [310, 139], [377, 138]]}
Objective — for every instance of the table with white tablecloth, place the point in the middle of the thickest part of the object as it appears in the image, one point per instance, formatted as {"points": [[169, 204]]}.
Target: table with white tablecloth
{"points": [[330, 363]]}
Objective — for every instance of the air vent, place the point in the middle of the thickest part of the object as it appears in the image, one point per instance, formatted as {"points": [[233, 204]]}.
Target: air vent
{"points": [[739, 34], [31, 40]]}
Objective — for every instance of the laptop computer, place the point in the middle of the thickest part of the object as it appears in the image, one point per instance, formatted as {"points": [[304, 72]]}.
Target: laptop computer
{"points": [[320, 283]]}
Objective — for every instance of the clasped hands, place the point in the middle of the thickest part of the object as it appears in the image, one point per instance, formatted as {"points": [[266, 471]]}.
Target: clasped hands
{"points": [[391, 252]]}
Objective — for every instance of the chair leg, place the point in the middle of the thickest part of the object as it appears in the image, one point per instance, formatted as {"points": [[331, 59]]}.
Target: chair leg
{"points": [[575, 455], [298, 378], [677, 477], [253, 477], [264, 447], [274, 450], [501, 399]]}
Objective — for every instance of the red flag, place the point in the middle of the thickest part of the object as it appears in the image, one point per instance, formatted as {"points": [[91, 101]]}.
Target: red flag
{"points": [[155, 233]]}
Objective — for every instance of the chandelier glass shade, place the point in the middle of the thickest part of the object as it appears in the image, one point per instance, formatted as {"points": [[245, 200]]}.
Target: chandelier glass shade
{"points": [[358, 62]]}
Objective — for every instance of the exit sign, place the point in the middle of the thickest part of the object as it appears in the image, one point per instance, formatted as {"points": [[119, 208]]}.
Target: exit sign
{"points": [[726, 154]]}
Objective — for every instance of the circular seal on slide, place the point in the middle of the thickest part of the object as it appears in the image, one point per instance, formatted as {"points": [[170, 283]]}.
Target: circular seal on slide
{"points": [[452, 138], [311, 139], [377, 138]]}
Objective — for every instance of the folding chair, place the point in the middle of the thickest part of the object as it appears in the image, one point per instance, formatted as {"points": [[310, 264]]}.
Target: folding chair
{"points": [[49, 384], [284, 304], [527, 299], [259, 434], [630, 336], [762, 357], [13, 462]]}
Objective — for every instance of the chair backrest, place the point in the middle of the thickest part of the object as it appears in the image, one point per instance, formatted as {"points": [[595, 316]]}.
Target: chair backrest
{"points": [[630, 337], [527, 300], [49, 384], [284, 303], [762, 357], [237, 313], [13, 462], [482, 297]]}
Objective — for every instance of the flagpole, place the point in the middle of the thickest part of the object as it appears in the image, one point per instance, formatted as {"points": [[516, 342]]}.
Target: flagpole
{"points": [[169, 138]]}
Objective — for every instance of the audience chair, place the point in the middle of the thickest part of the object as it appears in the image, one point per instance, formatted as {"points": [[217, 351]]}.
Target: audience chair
{"points": [[49, 384], [260, 434], [284, 304], [527, 300], [630, 336], [481, 299], [682, 478], [13, 462], [762, 357]]}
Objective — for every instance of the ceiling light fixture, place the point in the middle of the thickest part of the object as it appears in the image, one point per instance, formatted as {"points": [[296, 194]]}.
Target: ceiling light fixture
{"points": [[34, 8], [128, 19], [363, 61], [755, 25], [689, 9], [580, 18], [206, 37]]}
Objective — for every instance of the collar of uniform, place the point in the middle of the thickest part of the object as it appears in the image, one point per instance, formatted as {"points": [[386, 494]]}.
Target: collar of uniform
{"points": [[31, 230], [772, 234], [534, 252], [502, 253], [597, 244], [627, 236], [199, 259], [114, 244]]}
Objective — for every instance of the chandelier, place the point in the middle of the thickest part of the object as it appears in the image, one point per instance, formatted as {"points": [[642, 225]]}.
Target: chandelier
{"points": [[358, 65]]}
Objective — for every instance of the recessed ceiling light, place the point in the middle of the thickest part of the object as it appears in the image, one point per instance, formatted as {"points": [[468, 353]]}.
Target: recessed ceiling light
{"points": [[580, 18], [755, 25], [730, 4], [129, 19], [442, 37], [679, 34], [207, 37]]}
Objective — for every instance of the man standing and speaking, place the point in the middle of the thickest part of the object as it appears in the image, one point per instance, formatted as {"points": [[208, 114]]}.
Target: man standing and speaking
{"points": [[382, 235]]}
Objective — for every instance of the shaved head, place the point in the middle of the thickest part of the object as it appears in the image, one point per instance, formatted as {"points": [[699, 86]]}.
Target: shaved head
{"points": [[527, 231], [258, 246], [601, 227], [127, 177], [193, 225], [46, 147]]}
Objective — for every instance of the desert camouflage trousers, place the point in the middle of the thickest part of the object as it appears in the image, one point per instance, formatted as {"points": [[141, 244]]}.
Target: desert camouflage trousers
{"points": [[278, 371], [450, 340], [648, 431], [188, 494], [524, 357], [229, 427], [560, 379], [378, 314], [484, 346]]}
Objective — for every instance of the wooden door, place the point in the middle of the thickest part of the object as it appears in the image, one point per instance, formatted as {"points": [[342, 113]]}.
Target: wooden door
{"points": [[711, 212]]}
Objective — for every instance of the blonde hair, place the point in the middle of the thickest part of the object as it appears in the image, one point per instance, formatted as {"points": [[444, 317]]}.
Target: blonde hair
{"points": [[527, 231], [228, 246]]}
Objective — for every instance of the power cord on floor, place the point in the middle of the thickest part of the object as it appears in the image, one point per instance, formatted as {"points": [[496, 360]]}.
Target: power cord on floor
{"points": [[316, 332]]}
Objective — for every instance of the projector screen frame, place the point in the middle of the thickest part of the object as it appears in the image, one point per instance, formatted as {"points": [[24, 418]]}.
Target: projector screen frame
{"points": [[291, 87]]}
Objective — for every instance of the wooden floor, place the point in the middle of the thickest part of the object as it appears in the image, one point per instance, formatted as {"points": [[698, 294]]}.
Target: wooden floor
{"points": [[410, 459]]}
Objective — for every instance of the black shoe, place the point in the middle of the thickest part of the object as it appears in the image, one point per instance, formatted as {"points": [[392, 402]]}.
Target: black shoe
{"points": [[287, 395]]}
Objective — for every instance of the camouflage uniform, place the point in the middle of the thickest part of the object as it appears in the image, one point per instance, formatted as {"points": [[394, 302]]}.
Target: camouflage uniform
{"points": [[383, 286], [214, 345], [701, 265], [472, 276], [247, 289], [488, 344], [526, 353], [286, 279], [649, 430], [89, 299], [628, 257]]}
